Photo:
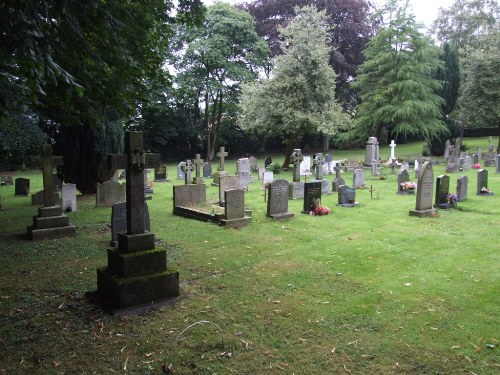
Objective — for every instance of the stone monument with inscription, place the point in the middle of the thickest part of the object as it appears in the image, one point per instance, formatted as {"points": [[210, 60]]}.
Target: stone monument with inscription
{"points": [[296, 187], [277, 202], [425, 188]]}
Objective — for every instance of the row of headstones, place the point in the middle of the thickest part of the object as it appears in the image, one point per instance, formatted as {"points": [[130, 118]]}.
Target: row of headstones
{"points": [[457, 160]]}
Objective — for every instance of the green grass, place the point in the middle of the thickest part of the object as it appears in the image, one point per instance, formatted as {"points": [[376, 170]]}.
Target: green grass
{"points": [[365, 290]]}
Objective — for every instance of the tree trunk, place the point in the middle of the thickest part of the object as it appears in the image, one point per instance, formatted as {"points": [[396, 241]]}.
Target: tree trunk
{"points": [[288, 153], [216, 124], [378, 131], [326, 143], [498, 146], [207, 124]]}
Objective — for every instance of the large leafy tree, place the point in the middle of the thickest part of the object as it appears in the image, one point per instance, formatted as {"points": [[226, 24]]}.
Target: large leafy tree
{"points": [[398, 93], [479, 103], [299, 98], [214, 60], [84, 67], [348, 27]]}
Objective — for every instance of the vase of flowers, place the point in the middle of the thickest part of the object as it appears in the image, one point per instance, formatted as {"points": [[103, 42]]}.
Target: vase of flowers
{"points": [[408, 187], [484, 190], [452, 199], [476, 166], [318, 209]]}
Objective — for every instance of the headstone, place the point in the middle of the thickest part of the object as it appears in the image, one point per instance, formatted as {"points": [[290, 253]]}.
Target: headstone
{"points": [[447, 149], [253, 163], [261, 171], [268, 160], [462, 186], [442, 191], [137, 270], [68, 198], [187, 168], [6, 180], [358, 179], [207, 170], [338, 181], [425, 188], [296, 159], [351, 165], [405, 165], [347, 196], [475, 159], [227, 183], [267, 178], [22, 186], [490, 159], [148, 186], [393, 151], [296, 190], [325, 187], [243, 172], [329, 163], [57, 182], [374, 169], [319, 161], [277, 202], [372, 151], [482, 183], [180, 170], [50, 222], [161, 174], [198, 165], [312, 196], [468, 163], [119, 220], [403, 176], [189, 195], [220, 170], [116, 176], [305, 166], [234, 212], [497, 163], [110, 192]]}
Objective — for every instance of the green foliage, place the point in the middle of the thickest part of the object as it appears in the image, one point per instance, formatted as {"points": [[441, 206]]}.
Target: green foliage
{"points": [[274, 167], [449, 75], [395, 83], [435, 146]]}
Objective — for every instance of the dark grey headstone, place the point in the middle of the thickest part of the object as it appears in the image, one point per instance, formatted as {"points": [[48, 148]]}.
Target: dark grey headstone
{"points": [[268, 160], [57, 182], [328, 158], [119, 220], [475, 159], [277, 202], [22, 186], [312, 194], [228, 183], [161, 173], [234, 204], [442, 190], [462, 186], [109, 193], [403, 176], [337, 183], [358, 178], [207, 169], [346, 196], [482, 182]]}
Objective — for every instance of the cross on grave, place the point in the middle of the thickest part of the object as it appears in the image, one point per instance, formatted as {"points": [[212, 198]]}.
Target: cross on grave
{"points": [[393, 166], [296, 159], [319, 160], [393, 147], [134, 161], [187, 168], [371, 191], [48, 163], [337, 170], [222, 154], [198, 162]]}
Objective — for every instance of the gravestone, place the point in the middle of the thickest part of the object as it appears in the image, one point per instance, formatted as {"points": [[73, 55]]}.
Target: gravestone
{"points": [[328, 163], [374, 170], [403, 176], [198, 165], [261, 171], [358, 179], [468, 163], [207, 170], [447, 149], [479, 152], [296, 159], [253, 163], [498, 163], [227, 183], [267, 178], [338, 181], [38, 199], [50, 222], [161, 174], [406, 166], [475, 159], [482, 183], [245, 179], [137, 273], [119, 220], [22, 186], [243, 172], [318, 162], [6, 180], [372, 151], [312, 196], [187, 168], [425, 188], [442, 190], [296, 190], [68, 198], [325, 187], [453, 161], [220, 170], [305, 166], [351, 165], [110, 192], [393, 151], [189, 195], [489, 159], [234, 212], [277, 202], [180, 170], [462, 187], [268, 160], [148, 186], [57, 182], [347, 196]]}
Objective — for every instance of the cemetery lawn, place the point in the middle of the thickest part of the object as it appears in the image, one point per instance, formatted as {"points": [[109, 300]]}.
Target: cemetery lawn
{"points": [[364, 290]]}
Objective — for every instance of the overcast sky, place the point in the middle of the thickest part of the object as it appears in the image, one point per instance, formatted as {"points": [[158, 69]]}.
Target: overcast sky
{"points": [[425, 10]]}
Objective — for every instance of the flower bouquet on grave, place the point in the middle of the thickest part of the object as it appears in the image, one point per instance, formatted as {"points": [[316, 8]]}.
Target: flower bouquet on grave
{"points": [[318, 209], [476, 166], [484, 190], [408, 186], [452, 199]]}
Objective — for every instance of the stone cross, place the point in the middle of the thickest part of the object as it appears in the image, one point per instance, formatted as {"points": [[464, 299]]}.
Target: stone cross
{"points": [[198, 162], [48, 163], [393, 166], [319, 160], [490, 143], [134, 161], [222, 154], [296, 159], [393, 149], [187, 168], [337, 170]]}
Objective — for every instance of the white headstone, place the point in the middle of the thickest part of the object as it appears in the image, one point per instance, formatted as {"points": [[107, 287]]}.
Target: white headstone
{"points": [[68, 197], [305, 166], [268, 177], [393, 151]]}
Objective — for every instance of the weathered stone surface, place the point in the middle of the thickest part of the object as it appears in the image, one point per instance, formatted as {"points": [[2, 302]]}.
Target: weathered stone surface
{"points": [[130, 243], [35, 234], [442, 190], [425, 187], [22, 186], [312, 195], [296, 190], [277, 201], [109, 193], [68, 198], [189, 195], [135, 264]]}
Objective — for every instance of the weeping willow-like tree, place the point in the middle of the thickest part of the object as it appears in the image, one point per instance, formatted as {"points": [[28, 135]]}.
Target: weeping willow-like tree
{"points": [[395, 83]]}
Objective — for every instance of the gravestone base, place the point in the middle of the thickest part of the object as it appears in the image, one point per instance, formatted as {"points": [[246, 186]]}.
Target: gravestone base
{"points": [[197, 214], [424, 213], [130, 243], [235, 223], [296, 190], [136, 264], [404, 192], [198, 180], [485, 194], [355, 204], [281, 216], [122, 292], [216, 177], [50, 223], [444, 206], [489, 163]]}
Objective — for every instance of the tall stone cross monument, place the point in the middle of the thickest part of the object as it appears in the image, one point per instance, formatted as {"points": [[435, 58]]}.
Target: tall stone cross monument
{"points": [[220, 170], [198, 163], [296, 159], [137, 270], [50, 222], [319, 161]]}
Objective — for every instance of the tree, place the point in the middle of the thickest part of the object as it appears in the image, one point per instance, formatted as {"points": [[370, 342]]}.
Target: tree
{"points": [[479, 103], [348, 27], [299, 97], [465, 21], [82, 66], [398, 93], [218, 57]]}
